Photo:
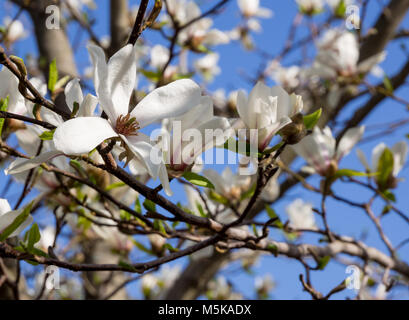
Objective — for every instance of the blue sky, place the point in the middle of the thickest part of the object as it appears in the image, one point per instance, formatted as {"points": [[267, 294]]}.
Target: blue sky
{"points": [[234, 61]]}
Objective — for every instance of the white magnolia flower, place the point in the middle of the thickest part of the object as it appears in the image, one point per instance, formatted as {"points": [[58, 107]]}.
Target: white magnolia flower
{"points": [[228, 184], [286, 77], [263, 285], [200, 32], [78, 4], [9, 88], [339, 55], [251, 8], [29, 138], [7, 217], [267, 110], [310, 6], [399, 151], [320, 151], [159, 56], [47, 238], [301, 215], [207, 66], [114, 82], [15, 29], [334, 4], [186, 137]]}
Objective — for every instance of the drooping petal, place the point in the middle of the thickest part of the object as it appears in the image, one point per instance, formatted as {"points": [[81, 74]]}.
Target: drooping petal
{"points": [[81, 135], [21, 165], [147, 154], [168, 101], [73, 93], [348, 141]]}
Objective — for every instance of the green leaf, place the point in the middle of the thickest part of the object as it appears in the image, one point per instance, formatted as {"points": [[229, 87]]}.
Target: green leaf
{"points": [[311, 120], [322, 263], [272, 214], [198, 180], [141, 247], [273, 248], [389, 195], [249, 193], [201, 210], [158, 225], [4, 104], [62, 82], [149, 205], [353, 173], [170, 248], [217, 197], [341, 9], [126, 265], [47, 135], [237, 146], [125, 215], [151, 75], [388, 84], [32, 236], [53, 75], [138, 207], [16, 222], [115, 185], [385, 168]]}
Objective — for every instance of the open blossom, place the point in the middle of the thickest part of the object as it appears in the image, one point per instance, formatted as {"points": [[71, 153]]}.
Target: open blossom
{"points": [[114, 83], [228, 184], [29, 138], [9, 88], [207, 66], [320, 151], [198, 33], [310, 6], [338, 55], [399, 151], [267, 110], [301, 215], [159, 56], [285, 77], [251, 8], [187, 137], [7, 217], [15, 30]]}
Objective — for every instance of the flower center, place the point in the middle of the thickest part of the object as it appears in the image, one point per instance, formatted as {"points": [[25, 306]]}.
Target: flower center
{"points": [[127, 126]]}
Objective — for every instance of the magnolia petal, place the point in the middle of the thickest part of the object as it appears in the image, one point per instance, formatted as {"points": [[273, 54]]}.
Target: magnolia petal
{"points": [[171, 100], [73, 93], [164, 180], [88, 106], [400, 151], [198, 115], [4, 206], [376, 154], [243, 109], [21, 165], [81, 135], [348, 141], [147, 154], [121, 78], [362, 158]]}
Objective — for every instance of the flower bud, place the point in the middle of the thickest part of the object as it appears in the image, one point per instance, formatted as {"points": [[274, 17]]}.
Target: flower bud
{"points": [[295, 131]]}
